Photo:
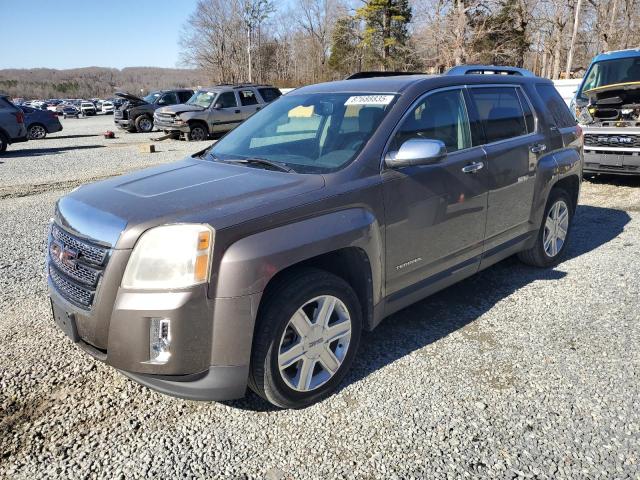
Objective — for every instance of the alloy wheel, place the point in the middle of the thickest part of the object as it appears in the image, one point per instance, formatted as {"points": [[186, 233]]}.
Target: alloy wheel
{"points": [[37, 132], [145, 125], [198, 134], [314, 343], [555, 228]]}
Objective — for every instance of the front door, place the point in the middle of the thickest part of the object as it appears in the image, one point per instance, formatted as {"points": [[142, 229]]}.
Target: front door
{"points": [[435, 214], [226, 113]]}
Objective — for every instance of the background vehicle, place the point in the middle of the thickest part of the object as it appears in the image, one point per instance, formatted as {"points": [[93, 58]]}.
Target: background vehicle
{"points": [[12, 129], [260, 260], [69, 111], [107, 107], [88, 109], [136, 114], [216, 109], [39, 123], [607, 105]]}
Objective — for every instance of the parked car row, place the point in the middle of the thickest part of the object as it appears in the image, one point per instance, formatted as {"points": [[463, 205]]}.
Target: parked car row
{"points": [[193, 114]]}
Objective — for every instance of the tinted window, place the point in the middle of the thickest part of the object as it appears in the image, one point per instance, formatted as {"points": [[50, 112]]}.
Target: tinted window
{"points": [[168, 99], [184, 96], [441, 116], [248, 97], [269, 94], [555, 105], [227, 100], [500, 112]]}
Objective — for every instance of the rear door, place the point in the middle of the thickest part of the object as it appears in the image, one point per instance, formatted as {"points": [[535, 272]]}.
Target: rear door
{"points": [[513, 147], [248, 102]]}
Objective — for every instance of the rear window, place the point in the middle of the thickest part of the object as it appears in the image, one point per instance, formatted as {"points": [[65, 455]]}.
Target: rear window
{"points": [[500, 112], [556, 106], [5, 103], [269, 94]]}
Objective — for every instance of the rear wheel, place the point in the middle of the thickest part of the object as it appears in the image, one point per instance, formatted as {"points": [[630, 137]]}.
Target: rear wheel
{"points": [[553, 235], [144, 124], [306, 338], [3, 142], [37, 132]]}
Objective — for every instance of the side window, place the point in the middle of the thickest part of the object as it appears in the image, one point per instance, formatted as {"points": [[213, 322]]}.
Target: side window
{"points": [[227, 100], [528, 114], [248, 97], [555, 106], [440, 116], [500, 112], [183, 97], [269, 94], [168, 99]]}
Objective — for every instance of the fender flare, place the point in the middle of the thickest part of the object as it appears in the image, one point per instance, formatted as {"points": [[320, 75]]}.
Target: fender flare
{"points": [[249, 264]]}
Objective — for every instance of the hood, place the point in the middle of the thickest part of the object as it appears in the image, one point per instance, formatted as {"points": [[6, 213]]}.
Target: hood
{"points": [[131, 98], [616, 102], [187, 191], [181, 108]]}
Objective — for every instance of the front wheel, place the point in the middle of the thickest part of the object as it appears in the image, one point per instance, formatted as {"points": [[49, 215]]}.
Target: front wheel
{"points": [[306, 338], [144, 124], [551, 240], [198, 133]]}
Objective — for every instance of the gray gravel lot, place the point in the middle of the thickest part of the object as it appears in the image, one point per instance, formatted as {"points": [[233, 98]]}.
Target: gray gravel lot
{"points": [[516, 372]]}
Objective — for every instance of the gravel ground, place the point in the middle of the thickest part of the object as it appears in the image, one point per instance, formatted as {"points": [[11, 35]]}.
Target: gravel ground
{"points": [[516, 372]]}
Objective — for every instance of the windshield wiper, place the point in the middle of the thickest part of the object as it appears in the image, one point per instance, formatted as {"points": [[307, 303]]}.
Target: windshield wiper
{"points": [[262, 161]]}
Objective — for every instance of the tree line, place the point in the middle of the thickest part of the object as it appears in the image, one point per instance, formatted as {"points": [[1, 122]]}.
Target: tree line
{"points": [[306, 41]]}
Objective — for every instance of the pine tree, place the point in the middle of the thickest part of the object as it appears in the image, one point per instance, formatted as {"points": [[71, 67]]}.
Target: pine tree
{"points": [[345, 55], [385, 36]]}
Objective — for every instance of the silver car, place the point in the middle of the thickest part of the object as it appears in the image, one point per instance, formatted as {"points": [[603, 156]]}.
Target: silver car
{"points": [[216, 109]]}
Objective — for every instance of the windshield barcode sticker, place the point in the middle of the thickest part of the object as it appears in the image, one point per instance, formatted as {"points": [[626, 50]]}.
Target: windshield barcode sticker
{"points": [[369, 100]]}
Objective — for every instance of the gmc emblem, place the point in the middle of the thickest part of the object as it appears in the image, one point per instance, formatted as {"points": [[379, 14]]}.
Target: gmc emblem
{"points": [[66, 256]]}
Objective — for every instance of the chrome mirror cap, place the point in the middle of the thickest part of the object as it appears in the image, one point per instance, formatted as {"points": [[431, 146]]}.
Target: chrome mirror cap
{"points": [[416, 151]]}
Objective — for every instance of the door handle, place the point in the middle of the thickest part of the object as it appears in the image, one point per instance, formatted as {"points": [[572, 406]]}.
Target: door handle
{"points": [[472, 167], [237, 111], [258, 108], [538, 148]]}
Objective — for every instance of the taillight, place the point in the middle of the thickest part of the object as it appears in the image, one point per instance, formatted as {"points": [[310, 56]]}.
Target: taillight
{"points": [[20, 117]]}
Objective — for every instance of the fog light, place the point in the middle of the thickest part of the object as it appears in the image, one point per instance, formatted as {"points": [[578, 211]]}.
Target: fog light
{"points": [[159, 341]]}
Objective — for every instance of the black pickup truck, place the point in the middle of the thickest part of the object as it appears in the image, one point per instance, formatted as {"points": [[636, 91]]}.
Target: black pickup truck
{"points": [[136, 114]]}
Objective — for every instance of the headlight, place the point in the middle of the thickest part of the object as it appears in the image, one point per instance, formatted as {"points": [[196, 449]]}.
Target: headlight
{"points": [[170, 256]]}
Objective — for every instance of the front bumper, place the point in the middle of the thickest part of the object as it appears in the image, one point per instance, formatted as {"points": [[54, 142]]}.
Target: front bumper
{"points": [[623, 163], [167, 126], [210, 340], [122, 123]]}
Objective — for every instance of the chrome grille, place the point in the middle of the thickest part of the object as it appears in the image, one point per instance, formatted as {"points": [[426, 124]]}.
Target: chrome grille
{"points": [[75, 266], [91, 253], [610, 140], [69, 290]]}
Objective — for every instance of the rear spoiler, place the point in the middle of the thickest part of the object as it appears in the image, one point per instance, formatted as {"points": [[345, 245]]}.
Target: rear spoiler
{"points": [[489, 70]]}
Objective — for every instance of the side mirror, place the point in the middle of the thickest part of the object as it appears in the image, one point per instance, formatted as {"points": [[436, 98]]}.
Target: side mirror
{"points": [[217, 106], [416, 151]]}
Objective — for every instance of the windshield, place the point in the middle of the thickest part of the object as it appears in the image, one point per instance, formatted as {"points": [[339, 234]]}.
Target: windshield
{"points": [[151, 98], [313, 133], [202, 98], [609, 72]]}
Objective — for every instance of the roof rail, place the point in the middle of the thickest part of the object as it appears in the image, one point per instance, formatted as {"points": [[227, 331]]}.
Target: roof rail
{"points": [[489, 70], [380, 74]]}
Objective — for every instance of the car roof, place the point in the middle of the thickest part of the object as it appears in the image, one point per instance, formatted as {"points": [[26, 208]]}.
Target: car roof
{"points": [[232, 87], [400, 83], [616, 54]]}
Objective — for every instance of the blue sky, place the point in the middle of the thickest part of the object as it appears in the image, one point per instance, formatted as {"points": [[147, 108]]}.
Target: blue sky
{"points": [[77, 33]]}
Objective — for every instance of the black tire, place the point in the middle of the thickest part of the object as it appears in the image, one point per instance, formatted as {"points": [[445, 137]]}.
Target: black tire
{"points": [[3, 142], [37, 132], [198, 133], [282, 301], [144, 124], [536, 255]]}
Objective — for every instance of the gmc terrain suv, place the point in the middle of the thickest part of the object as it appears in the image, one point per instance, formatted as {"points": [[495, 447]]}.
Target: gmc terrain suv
{"points": [[607, 105], [259, 261], [136, 114], [12, 129], [214, 110]]}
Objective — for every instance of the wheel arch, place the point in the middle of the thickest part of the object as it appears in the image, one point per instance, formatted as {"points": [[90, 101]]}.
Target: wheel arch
{"points": [[38, 123], [571, 185], [197, 121]]}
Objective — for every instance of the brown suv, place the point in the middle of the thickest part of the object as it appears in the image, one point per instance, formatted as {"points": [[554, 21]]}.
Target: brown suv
{"points": [[260, 260]]}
